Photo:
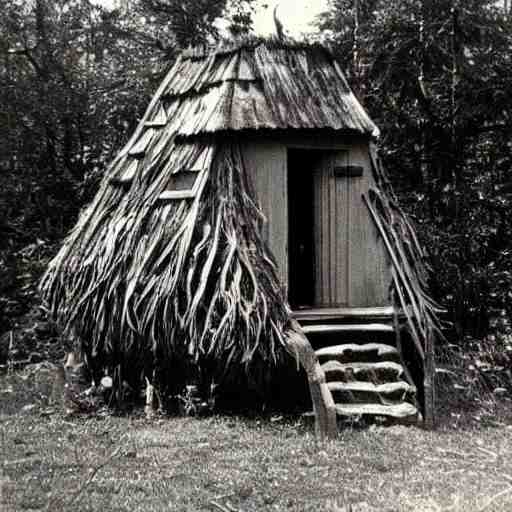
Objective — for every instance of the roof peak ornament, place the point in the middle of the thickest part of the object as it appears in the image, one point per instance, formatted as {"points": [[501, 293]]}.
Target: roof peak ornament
{"points": [[279, 25]]}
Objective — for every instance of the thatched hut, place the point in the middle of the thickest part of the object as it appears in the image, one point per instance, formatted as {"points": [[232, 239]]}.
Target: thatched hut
{"points": [[247, 219]]}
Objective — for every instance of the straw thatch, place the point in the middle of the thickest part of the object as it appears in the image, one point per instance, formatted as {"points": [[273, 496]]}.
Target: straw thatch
{"points": [[167, 266], [144, 278]]}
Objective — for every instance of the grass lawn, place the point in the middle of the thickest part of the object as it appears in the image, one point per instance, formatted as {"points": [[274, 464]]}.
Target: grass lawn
{"points": [[222, 463]]}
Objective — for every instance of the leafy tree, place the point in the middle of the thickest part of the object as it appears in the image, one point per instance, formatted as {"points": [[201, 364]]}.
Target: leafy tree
{"points": [[64, 82], [74, 80], [180, 24]]}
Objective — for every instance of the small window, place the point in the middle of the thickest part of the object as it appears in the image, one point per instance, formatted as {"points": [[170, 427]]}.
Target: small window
{"points": [[138, 150], [185, 183], [181, 185], [184, 180], [159, 119]]}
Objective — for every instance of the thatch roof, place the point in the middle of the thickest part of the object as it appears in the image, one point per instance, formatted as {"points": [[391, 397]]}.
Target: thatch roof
{"points": [[248, 85], [260, 84]]}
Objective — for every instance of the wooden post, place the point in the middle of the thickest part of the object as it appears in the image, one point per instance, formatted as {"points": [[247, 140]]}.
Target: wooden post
{"points": [[429, 382], [75, 380], [399, 347], [323, 403], [149, 408]]}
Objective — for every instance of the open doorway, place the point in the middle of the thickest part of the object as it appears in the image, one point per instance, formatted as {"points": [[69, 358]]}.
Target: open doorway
{"points": [[301, 222], [336, 258]]}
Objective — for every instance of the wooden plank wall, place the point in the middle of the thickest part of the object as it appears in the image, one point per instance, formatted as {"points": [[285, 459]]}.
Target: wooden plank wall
{"points": [[352, 268], [266, 164], [361, 278], [370, 271], [331, 215]]}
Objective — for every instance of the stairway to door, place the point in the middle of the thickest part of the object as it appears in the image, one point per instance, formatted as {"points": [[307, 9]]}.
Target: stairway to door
{"points": [[358, 352]]}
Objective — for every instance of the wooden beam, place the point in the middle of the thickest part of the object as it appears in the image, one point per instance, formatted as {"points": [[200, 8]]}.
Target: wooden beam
{"points": [[319, 328], [375, 313], [176, 194], [323, 403], [429, 382], [405, 410], [339, 352]]}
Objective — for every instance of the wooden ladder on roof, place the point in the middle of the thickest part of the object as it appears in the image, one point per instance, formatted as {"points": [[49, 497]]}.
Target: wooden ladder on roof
{"points": [[360, 353]]}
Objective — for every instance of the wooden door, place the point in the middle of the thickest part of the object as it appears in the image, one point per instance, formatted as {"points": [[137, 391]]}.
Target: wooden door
{"points": [[351, 268]]}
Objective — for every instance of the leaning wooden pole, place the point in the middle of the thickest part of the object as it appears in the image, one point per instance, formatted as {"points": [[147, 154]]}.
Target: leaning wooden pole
{"points": [[409, 283], [323, 403]]}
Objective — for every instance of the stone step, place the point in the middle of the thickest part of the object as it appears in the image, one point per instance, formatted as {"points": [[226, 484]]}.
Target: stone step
{"points": [[403, 411], [347, 328], [368, 392], [354, 353], [380, 372]]}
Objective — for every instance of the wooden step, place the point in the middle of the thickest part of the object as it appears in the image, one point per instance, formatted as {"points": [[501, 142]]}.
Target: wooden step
{"points": [[403, 411], [333, 328], [319, 314], [365, 353], [383, 371], [368, 392]]}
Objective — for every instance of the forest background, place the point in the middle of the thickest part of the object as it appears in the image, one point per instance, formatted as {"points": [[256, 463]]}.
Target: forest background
{"points": [[75, 78]]}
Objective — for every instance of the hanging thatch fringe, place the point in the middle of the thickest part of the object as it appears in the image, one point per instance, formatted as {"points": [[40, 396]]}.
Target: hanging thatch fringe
{"points": [[203, 286]]}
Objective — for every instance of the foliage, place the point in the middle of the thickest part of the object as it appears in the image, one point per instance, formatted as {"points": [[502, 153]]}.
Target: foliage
{"points": [[195, 22], [65, 106], [435, 75], [74, 80]]}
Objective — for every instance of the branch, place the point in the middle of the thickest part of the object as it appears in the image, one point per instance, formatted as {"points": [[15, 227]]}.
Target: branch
{"points": [[135, 35], [27, 52]]}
